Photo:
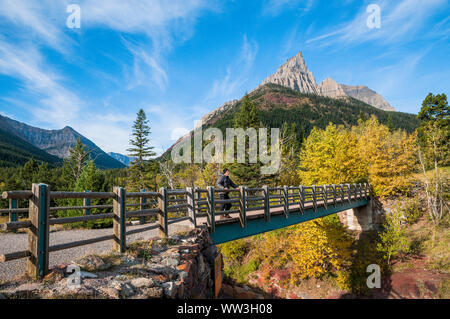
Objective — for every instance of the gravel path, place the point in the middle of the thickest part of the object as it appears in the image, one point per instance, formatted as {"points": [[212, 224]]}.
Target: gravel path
{"points": [[16, 242]]}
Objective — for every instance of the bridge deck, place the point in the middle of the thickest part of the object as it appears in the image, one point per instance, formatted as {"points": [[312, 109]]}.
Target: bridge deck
{"points": [[230, 229]]}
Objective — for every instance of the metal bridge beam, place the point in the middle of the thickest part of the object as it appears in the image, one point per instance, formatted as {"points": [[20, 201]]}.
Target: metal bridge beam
{"points": [[232, 231]]}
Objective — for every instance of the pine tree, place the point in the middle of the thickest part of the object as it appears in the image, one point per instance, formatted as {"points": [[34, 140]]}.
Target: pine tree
{"points": [[390, 123], [141, 150], [27, 173], [434, 130], [247, 117], [290, 148], [78, 158]]}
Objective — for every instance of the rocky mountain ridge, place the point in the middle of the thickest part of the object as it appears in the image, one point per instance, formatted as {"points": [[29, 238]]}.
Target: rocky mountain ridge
{"points": [[295, 75], [57, 142]]}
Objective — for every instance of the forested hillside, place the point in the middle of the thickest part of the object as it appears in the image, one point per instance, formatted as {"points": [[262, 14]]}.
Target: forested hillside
{"points": [[278, 104], [14, 151]]}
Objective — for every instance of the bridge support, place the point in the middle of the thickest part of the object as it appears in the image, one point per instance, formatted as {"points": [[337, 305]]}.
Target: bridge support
{"points": [[358, 218]]}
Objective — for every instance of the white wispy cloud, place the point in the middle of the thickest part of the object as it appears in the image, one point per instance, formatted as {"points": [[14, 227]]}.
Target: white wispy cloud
{"points": [[147, 66], [163, 23], [33, 18], [400, 20], [275, 7], [56, 104], [237, 74]]}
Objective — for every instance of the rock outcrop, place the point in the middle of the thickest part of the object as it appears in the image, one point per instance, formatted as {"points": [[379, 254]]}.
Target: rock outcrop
{"points": [[363, 93], [295, 75], [331, 88], [211, 116]]}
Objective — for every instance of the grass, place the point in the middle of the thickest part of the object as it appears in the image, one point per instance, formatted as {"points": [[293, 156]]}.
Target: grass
{"points": [[240, 272], [444, 170], [444, 290], [432, 242]]}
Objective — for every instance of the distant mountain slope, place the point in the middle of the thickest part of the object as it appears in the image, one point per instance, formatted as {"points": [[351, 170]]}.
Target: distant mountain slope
{"points": [[57, 142], [279, 104], [15, 151], [124, 159], [363, 93]]}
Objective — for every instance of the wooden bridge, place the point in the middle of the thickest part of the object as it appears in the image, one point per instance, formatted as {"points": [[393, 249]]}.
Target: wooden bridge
{"points": [[253, 211]]}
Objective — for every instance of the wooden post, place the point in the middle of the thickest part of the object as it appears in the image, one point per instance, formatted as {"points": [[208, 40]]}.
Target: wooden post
{"points": [[266, 203], [39, 212], [349, 193], [211, 208], [119, 221], [325, 195], [13, 203], [365, 190], [334, 194], [243, 206], [162, 215], [314, 197], [302, 199], [286, 200], [190, 197], [142, 206], [86, 202]]}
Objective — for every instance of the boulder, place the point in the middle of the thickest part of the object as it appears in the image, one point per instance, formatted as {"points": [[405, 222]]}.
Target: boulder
{"points": [[170, 289], [142, 283], [126, 290], [92, 263]]}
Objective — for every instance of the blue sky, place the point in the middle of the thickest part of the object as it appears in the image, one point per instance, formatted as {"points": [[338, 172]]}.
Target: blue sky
{"points": [[179, 59]]}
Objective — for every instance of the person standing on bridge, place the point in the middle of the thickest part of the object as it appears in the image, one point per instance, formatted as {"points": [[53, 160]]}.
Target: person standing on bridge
{"points": [[224, 182]]}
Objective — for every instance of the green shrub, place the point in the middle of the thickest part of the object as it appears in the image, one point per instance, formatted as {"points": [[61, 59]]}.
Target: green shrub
{"points": [[393, 241], [235, 249], [412, 211]]}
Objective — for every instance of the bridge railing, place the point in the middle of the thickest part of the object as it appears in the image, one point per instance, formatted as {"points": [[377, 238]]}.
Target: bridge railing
{"points": [[167, 206], [157, 209], [273, 200]]}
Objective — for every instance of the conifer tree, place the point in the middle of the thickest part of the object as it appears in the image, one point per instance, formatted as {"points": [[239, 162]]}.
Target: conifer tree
{"points": [[247, 117], [78, 157], [141, 150]]}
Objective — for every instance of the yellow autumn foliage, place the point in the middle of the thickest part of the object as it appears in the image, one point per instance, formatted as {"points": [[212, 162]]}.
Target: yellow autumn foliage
{"points": [[390, 157], [367, 152], [318, 248], [311, 249], [330, 156]]}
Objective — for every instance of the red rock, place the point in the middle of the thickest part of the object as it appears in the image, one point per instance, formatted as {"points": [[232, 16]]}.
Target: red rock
{"points": [[281, 274], [184, 267]]}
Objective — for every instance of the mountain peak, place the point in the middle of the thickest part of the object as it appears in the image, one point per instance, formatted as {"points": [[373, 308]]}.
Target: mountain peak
{"points": [[295, 75], [363, 93], [331, 88]]}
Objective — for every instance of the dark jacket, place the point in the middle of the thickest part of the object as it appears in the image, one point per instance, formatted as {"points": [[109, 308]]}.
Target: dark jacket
{"points": [[225, 182]]}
